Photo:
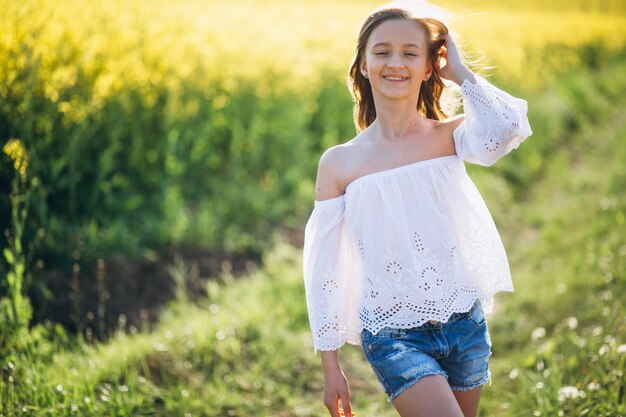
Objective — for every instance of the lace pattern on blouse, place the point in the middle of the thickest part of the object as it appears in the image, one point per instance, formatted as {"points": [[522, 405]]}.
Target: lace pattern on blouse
{"points": [[426, 285], [330, 278], [495, 123]]}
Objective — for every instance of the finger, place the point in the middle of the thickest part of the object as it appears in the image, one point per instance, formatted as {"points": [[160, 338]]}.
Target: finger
{"points": [[345, 402]]}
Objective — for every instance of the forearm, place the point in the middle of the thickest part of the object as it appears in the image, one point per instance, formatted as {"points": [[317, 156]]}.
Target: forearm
{"points": [[462, 73]]}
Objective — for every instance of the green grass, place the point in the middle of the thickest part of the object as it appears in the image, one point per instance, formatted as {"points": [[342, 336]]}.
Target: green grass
{"points": [[241, 352]]}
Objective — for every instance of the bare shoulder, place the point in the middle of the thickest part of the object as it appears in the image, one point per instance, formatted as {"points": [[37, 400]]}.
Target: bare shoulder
{"points": [[451, 123], [331, 171], [444, 132]]}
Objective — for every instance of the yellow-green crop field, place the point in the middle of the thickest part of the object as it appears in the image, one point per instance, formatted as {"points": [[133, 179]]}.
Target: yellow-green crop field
{"points": [[121, 43], [135, 127]]}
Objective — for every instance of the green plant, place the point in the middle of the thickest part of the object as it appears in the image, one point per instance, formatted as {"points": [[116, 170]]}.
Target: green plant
{"points": [[15, 309]]}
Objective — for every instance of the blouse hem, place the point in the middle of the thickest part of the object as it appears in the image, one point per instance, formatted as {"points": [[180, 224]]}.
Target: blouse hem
{"points": [[487, 300]]}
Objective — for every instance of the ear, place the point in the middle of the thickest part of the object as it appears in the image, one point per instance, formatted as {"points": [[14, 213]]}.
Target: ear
{"points": [[363, 69], [428, 73], [433, 66]]}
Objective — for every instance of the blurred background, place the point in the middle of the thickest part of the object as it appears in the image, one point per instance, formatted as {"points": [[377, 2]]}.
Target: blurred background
{"points": [[157, 169]]}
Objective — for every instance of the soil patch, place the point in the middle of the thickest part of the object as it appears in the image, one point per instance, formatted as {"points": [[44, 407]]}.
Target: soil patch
{"points": [[117, 292]]}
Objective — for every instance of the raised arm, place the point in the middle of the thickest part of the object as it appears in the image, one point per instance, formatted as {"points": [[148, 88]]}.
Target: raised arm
{"points": [[495, 122]]}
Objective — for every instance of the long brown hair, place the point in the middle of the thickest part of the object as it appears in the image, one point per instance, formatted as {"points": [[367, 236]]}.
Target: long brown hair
{"points": [[428, 103]]}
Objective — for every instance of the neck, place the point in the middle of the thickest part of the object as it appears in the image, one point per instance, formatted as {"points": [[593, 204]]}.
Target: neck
{"points": [[396, 118]]}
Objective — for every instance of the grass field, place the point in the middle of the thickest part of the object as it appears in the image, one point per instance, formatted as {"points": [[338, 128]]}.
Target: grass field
{"points": [[274, 70]]}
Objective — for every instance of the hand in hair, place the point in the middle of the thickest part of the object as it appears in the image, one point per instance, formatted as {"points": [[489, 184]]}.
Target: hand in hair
{"points": [[454, 70]]}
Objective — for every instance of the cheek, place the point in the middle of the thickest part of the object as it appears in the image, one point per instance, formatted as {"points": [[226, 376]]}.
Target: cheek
{"points": [[373, 63], [419, 65]]}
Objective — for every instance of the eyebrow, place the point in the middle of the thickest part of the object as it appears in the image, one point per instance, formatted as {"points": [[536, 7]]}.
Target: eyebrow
{"points": [[388, 44]]}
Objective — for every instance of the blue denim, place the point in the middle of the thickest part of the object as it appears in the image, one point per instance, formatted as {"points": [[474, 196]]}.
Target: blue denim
{"points": [[458, 349]]}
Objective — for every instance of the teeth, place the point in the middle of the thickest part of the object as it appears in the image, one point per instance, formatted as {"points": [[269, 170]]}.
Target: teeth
{"points": [[396, 78]]}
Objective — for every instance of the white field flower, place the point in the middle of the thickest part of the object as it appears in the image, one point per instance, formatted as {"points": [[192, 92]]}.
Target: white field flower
{"points": [[621, 349], [538, 333], [541, 365], [568, 393], [572, 322], [604, 349], [593, 386]]}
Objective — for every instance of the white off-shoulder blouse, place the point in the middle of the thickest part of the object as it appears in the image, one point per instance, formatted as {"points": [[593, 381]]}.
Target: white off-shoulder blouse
{"points": [[416, 242]]}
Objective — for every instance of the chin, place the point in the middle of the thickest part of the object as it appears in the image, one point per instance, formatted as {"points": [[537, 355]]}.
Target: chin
{"points": [[399, 95]]}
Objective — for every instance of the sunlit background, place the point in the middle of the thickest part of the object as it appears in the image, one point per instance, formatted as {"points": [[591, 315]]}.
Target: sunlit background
{"points": [[158, 165]]}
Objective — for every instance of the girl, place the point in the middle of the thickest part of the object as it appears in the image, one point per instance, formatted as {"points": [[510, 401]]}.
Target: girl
{"points": [[401, 255]]}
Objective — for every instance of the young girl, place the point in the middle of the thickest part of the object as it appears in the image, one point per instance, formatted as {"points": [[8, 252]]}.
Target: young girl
{"points": [[401, 255]]}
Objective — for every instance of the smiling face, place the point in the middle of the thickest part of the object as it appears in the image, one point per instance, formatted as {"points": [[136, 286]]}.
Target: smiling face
{"points": [[396, 59]]}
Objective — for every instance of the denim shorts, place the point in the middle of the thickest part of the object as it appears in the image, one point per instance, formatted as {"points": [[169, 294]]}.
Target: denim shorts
{"points": [[458, 349]]}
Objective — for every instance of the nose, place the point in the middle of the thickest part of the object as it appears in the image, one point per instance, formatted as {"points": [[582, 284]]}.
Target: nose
{"points": [[395, 61]]}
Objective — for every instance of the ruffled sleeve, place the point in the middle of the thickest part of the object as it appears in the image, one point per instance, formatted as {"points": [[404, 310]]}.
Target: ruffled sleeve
{"points": [[330, 278], [495, 123]]}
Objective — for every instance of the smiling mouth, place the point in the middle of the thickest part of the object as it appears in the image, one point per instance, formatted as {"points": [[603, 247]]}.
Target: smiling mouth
{"points": [[390, 78]]}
